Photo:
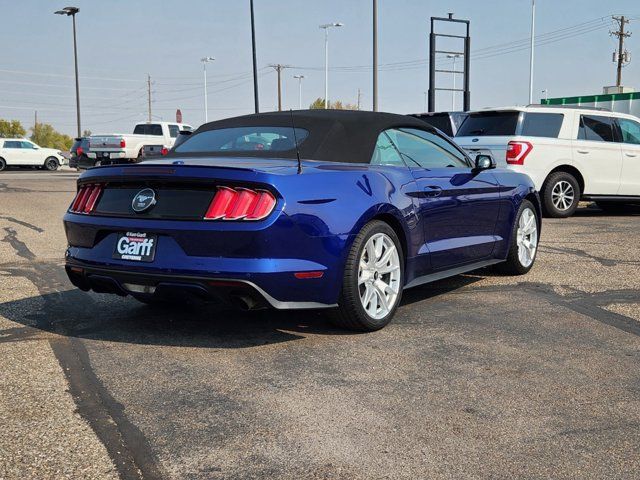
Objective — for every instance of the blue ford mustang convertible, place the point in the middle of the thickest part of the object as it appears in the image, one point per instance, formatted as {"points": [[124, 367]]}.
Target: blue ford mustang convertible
{"points": [[306, 209]]}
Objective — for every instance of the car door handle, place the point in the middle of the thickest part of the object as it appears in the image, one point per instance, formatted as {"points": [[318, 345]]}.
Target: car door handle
{"points": [[631, 155], [583, 151], [432, 191]]}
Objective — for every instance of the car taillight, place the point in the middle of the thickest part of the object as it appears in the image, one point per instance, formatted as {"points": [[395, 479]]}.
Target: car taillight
{"points": [[86, 199], [240, 204], [164, 151], [79, 151], [123, 143], [517, 152]]}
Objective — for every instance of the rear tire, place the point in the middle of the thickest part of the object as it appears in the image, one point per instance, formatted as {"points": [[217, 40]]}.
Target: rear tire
{"points": [[3, 164], [523, 245], [51, 164], [560, 195], [373, 280]]}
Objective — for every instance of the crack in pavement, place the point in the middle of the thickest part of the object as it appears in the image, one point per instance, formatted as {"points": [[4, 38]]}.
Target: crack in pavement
{"points": [[24, 224], [126, 445], [606, 262]]}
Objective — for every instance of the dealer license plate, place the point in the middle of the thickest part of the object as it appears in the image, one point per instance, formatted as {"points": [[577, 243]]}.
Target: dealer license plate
{"points": [[136, 246]]}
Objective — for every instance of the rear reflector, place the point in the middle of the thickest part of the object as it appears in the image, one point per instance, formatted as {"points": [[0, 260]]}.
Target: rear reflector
{"points": [[240, 204], [86, 199], [306, 275], [517, 152]]}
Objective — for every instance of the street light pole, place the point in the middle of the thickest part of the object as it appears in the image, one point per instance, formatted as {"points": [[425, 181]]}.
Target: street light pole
{"points": [[375, 55], [204, 61], [533, 34], [255, 66], [299, 77], [326, 28], [71, 12], [453, 91]]}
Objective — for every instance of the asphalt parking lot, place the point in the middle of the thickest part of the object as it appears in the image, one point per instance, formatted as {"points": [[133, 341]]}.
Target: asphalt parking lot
{"points": [[479, 376]]}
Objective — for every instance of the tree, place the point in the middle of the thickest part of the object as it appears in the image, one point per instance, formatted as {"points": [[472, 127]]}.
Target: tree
{"points": [[337, 105], [46, 136], [11, 129], [86, 133]]}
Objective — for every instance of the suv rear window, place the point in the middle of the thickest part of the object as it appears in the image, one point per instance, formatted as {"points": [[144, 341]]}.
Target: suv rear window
{"points": [[542, 124], [484, 124], [441, 121]]}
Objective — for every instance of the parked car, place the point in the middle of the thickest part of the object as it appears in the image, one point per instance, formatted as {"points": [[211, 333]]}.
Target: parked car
{"points": [[79, 154], [20, 152], [125, 148], [571, 154], [446, 122], [150, 151], [378, 203]]}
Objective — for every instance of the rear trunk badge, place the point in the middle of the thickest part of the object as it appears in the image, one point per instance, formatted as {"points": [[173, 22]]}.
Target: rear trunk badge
{"points": [[143, 200]]}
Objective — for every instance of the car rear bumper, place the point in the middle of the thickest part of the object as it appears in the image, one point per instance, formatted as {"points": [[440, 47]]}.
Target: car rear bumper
{"points": [[237, 292]]}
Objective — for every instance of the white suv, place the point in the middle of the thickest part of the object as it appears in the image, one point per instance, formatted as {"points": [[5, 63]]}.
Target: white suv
{"points": [[571, 154], [22, 153]]}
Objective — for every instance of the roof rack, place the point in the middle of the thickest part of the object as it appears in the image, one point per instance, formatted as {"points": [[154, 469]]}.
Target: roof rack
{"points": [[573, 107]]}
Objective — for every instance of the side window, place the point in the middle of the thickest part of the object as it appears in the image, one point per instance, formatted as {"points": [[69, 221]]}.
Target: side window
{"points": [[140, 129], [12, 144], [154, 129], [630, 131], [596, 128], [27, 145], [173, 131], [542, 124], [426, 150], [385, 153]]}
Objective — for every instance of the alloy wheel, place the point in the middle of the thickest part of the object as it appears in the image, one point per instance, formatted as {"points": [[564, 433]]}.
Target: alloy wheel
{"points": [[562, 195], [379, 276], [527, 237]]}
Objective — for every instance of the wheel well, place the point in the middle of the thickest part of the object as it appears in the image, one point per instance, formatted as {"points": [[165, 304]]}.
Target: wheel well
{"points": [[533, 198], [394, 223], [572, 171]]}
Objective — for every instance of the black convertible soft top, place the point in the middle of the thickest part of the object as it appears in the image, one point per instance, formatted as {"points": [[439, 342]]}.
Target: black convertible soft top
{"points": [[334, 135]]}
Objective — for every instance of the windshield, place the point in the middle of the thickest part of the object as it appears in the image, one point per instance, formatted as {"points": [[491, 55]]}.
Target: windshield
{"points": [[484, 124], [238, 140]]}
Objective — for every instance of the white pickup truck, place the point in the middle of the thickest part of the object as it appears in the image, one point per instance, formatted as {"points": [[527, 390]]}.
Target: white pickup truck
{"points": [[124, 148]]}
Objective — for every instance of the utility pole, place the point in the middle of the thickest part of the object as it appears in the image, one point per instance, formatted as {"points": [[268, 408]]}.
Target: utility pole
{"points": [[375, 55], [35, 126], [622, 55], [278, 68], [359, 97], [149, 94]]}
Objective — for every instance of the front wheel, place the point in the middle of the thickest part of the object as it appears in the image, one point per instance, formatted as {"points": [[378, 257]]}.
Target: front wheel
{"points": [[373, 280], [51, 164], [3, 164], [523, 245]]}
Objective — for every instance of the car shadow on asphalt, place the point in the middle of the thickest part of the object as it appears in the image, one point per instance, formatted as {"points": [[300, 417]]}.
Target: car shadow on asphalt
{"points": [[594, 211], [74, 313]]}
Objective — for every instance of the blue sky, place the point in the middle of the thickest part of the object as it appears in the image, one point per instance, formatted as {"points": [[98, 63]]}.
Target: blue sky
{"points": [[121, 41]]}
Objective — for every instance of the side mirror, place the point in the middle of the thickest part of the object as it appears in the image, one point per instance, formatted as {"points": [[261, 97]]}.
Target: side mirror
{"points": [[484, 162], [35, 147]]}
